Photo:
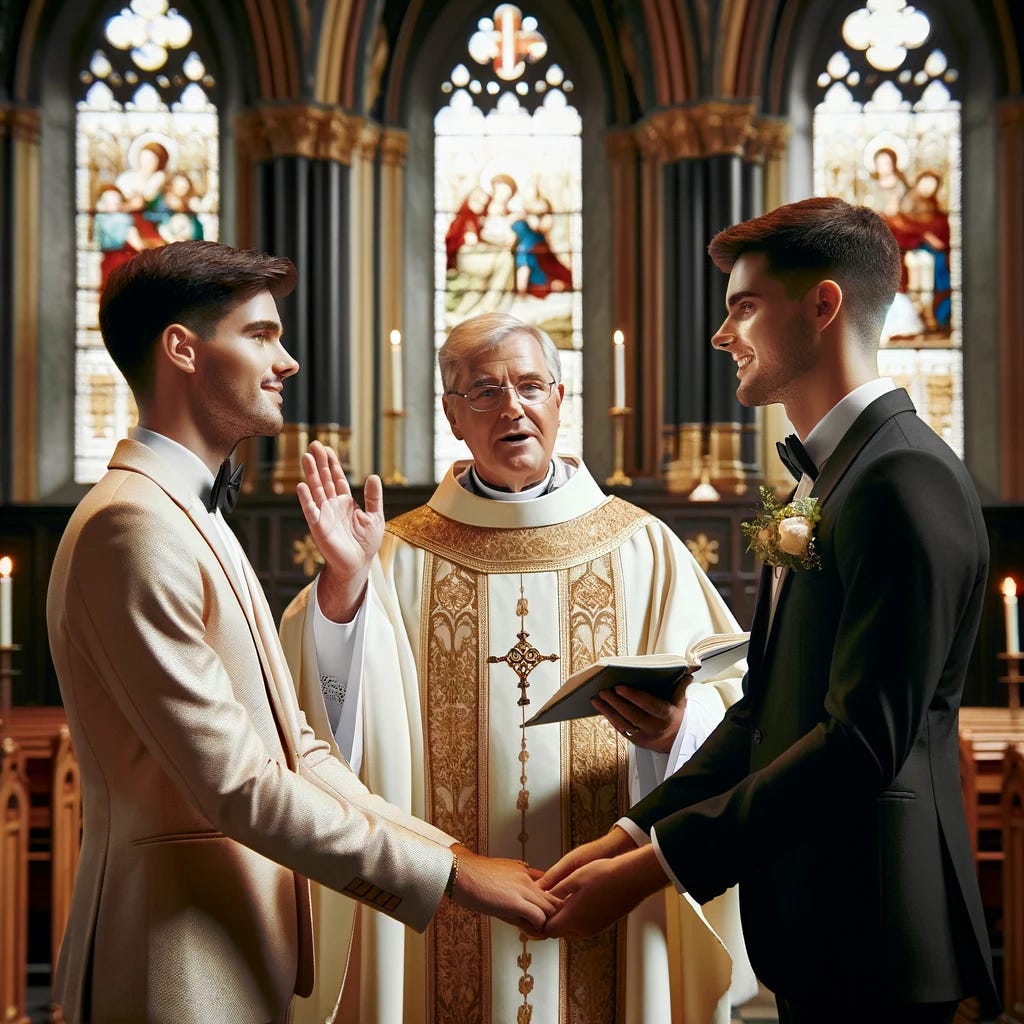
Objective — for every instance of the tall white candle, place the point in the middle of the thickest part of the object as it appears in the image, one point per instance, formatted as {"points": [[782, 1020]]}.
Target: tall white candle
{"points": [[396, 370], [6, 588], [1010, 611], [619, 376]]}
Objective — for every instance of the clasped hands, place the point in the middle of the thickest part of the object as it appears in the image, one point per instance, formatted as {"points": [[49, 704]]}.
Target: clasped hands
{"points": [[589, 889]]}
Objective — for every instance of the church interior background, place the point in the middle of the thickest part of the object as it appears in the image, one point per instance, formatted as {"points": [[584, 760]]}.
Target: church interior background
{"points": [[424, 161]]}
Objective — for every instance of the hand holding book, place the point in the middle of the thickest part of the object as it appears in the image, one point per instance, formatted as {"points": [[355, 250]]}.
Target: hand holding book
{"points": [[657, 674]]}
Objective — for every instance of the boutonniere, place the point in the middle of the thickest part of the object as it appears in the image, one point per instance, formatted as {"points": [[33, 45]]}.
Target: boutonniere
{"points": [[783, 535]]}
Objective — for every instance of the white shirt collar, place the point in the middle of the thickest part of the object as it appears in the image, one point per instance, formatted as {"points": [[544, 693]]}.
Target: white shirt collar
{"points": [[824, 438], [187, 465], [526, 494]]}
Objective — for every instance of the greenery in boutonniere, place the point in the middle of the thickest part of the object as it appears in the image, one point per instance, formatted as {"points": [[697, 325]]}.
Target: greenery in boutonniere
{"points": [[783, 535]]}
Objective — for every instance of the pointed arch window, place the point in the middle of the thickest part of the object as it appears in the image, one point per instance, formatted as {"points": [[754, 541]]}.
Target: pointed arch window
{"points": [[887, 135], [146, 174], [508, 202]]}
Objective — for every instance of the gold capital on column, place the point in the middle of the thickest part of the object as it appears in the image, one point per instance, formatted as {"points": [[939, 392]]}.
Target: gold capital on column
{"points": [[668, 135], [713, 128], [299, 129], [368, 143], [723, 127], [394, 147], [23, 124], [772, 134]]}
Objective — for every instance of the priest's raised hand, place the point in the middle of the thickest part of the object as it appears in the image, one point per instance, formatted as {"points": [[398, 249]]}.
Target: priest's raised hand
{"points": [[348, 536]]}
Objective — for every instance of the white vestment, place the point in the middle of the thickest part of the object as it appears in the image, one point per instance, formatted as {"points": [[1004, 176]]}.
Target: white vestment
{"points": [[467, 589]]}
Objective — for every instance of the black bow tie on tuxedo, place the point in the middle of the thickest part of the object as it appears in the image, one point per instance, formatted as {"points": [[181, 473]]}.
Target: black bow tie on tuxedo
{"points": [[224, 495], [795, 458]]}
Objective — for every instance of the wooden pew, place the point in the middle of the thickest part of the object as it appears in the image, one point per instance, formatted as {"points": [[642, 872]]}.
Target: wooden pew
{"points": [[985, 733], [53, 821], [1012, 807], [14, 828], [65, 835]]}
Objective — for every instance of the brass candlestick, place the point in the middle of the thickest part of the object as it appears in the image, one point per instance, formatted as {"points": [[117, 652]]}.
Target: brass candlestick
{"points": [[1013, 678], [618, 414], [394, 439]]}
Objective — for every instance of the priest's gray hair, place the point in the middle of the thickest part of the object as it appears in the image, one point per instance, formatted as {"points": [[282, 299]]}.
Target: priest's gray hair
{"points": [[482, 333]]}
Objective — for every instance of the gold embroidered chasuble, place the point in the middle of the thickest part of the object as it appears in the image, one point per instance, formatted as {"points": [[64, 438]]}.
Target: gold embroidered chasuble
{"points": [[576, 575]]}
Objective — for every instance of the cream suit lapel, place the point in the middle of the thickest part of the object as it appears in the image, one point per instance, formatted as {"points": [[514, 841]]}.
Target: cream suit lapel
{"points": [[135, 457]]}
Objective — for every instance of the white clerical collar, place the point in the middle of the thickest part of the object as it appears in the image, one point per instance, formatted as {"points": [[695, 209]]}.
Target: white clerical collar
{"points": [[191, 469], [526, 494], [824, 438], [567, 499]]}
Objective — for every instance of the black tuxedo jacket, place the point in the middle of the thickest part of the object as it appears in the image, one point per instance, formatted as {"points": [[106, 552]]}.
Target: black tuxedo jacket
{"points": [[831, 791]]}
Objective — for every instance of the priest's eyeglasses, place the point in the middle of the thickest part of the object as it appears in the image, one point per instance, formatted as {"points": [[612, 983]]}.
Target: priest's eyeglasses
{"points": [[488, 397]]}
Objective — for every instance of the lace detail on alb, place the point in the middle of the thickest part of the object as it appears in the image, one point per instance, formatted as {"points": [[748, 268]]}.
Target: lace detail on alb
{"points": [[333, 689]]}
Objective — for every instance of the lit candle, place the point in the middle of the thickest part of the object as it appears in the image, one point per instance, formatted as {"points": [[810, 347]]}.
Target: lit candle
{"points": [[619, 376], [396, 370], [1010, 610], [6, 586]]}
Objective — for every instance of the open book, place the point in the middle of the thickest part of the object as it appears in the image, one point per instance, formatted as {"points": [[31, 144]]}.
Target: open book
{"points": [[656, 673]]}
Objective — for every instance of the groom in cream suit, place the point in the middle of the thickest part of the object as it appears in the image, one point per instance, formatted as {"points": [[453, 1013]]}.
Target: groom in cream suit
{"points": [[208, 802]]}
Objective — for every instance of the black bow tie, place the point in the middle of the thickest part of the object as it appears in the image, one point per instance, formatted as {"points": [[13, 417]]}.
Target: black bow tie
{"points": [[224, 495], [795, 458]]}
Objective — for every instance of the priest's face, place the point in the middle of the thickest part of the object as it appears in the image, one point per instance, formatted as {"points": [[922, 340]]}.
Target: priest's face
{"points": [[511, 444]]}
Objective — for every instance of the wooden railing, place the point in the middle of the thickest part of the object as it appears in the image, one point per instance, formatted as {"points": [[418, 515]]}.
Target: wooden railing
{"points": [[1012, 806]]}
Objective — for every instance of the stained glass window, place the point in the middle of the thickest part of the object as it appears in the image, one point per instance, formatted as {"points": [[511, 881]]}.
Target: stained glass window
{"points": [[887, 135], [147, 173], [508, 201]]}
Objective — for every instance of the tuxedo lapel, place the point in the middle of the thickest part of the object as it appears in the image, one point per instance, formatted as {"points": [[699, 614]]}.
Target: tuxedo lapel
{"points": [[864, 427], [762, 613]]}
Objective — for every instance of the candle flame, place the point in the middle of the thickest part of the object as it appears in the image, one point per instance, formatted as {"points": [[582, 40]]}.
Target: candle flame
{"points": [[6, 565], [618, 338], [1009, 587], [396, 338]]}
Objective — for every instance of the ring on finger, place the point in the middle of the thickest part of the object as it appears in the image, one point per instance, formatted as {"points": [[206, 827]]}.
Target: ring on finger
{"points": [[628, 733]]}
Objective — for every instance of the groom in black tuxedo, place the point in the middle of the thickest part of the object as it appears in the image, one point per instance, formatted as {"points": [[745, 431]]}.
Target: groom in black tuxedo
{"points": [[831, 791]]}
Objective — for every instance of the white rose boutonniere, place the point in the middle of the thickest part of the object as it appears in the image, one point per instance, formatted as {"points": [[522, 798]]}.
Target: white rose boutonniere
{"points": [[783, 535]]}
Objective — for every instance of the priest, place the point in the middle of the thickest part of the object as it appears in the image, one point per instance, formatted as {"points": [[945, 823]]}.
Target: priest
{"points": [[423, 665]]}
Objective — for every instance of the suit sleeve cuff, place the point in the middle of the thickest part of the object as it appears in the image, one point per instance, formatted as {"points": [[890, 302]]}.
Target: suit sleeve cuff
{"points": [[634, 831], [680, 888]]}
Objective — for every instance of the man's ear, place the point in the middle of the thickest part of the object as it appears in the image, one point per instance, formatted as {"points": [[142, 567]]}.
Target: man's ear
{"points": [[179, 346], [449, 412], [828, 300]]}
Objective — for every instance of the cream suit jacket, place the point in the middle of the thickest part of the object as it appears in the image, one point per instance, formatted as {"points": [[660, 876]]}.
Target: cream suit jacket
{"points": [[208, 801]]}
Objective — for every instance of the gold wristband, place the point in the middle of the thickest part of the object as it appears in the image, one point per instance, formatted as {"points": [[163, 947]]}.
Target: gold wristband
{"points": [[450, 887]]}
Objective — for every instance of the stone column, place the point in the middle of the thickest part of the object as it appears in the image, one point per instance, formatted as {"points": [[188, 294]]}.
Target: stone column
{"points": [[634, 258], [1010, 115], [708, 182], [770, 143], [364, 368], [302, 155], [19, 303]]}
